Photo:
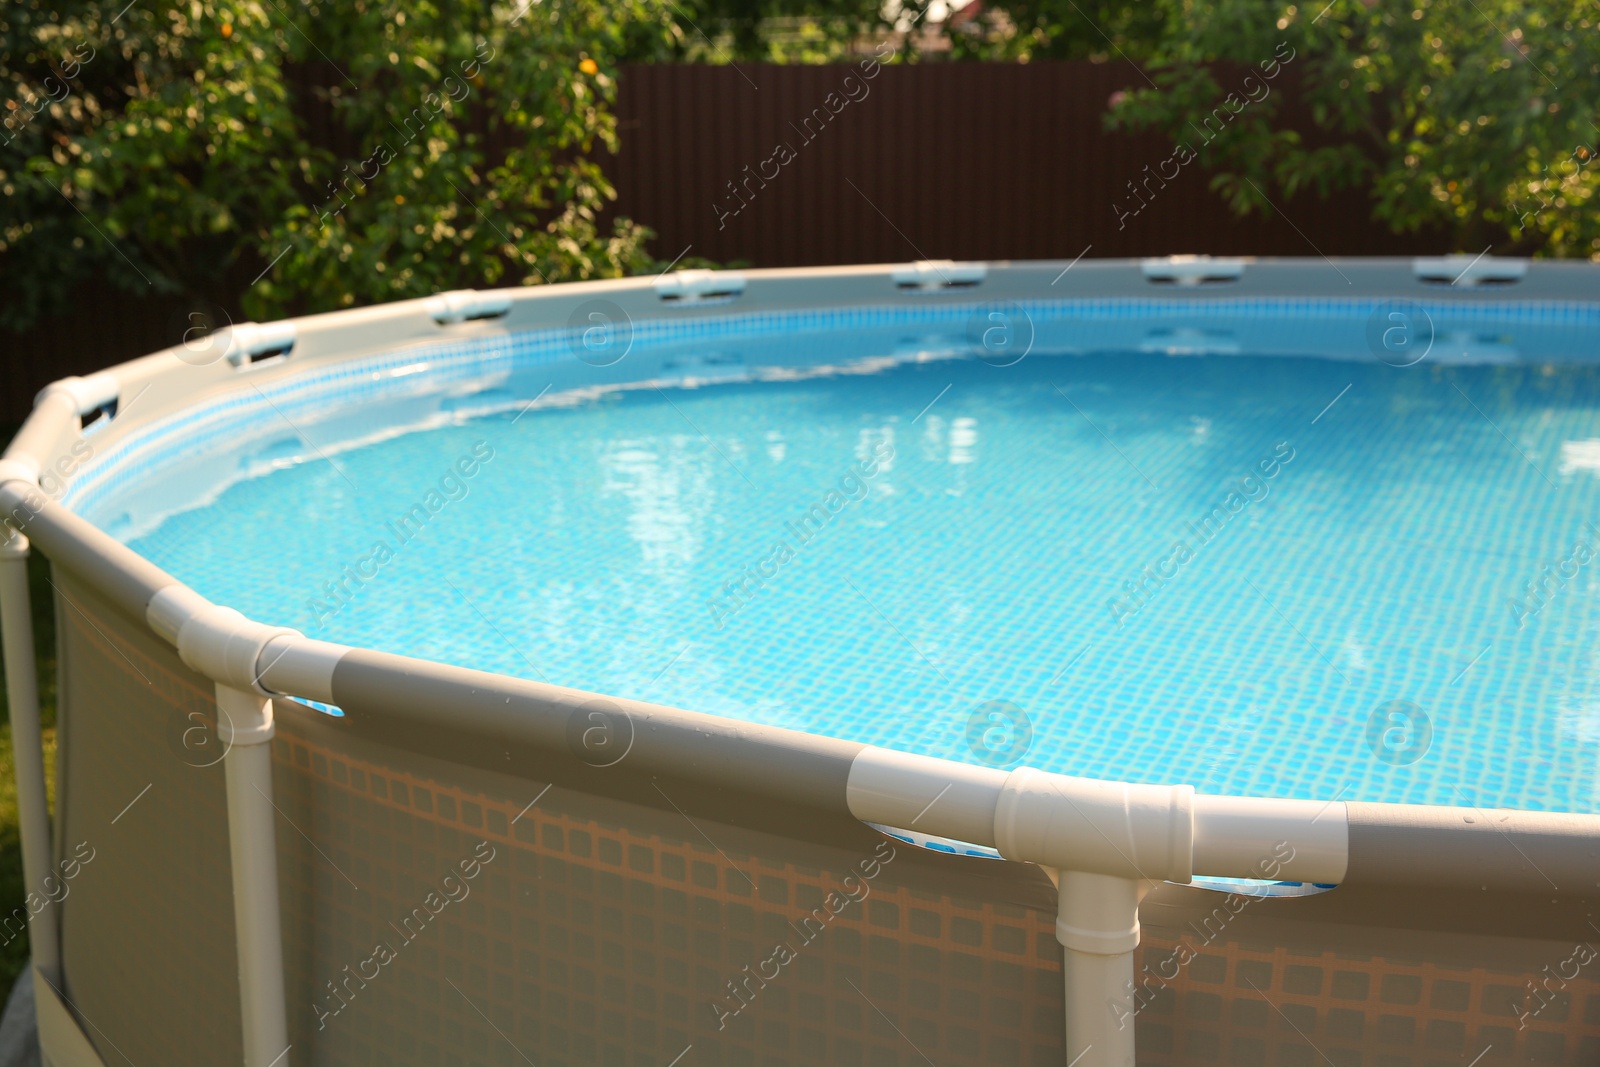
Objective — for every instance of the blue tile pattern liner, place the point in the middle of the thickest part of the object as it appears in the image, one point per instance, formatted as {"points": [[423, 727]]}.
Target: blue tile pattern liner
{"points": [[1262, 561]]}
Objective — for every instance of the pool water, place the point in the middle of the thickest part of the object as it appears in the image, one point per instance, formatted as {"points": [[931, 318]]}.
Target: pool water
{"points": [[1265, 576]]}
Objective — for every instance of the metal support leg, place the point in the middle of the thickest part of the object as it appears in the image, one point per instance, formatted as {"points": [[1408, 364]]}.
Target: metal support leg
{"points": [[1098, 926], [33, 805], [244, 721]]}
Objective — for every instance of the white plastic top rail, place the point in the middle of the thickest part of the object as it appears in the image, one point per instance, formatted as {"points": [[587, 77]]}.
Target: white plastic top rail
{"points": [[1463, 270], [933, 275], [459, 305], [245, 340], [688, 287], [1191, 270]]}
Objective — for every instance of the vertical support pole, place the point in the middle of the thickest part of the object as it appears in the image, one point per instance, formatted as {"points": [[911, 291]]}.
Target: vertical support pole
{"points": [[1097, 923], [33, 804], [244, 722]]}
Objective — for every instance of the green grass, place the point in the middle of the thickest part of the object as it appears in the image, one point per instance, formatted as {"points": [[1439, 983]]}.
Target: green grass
{"points": [[14, 956]]}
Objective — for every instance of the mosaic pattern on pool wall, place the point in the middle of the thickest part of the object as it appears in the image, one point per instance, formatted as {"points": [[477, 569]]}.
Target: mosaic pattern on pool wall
{"points": [[1268, 576], [468, 373]]}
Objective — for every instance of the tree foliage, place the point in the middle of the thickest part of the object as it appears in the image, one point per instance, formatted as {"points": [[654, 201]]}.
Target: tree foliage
{"points": [[757, 31], [314, 155], [1096, 30], [345, 152], [1480, 118]]}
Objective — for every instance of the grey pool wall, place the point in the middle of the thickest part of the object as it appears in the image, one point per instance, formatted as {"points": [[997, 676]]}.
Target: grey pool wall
{"points": [[552, 876]]}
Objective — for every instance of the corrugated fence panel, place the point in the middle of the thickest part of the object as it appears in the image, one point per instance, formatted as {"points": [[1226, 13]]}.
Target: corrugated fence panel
{"points": [[958, 160]]}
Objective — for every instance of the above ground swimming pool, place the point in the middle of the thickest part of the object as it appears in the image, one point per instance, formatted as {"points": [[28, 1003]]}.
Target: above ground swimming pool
{"points": [[1270, 571], [981, 557]]}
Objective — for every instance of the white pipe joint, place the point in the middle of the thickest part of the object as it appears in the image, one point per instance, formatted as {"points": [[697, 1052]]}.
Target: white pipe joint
{"points": [[1099, 913], [931, 275], [218, 642], [300, 666], [1143, 832], [458, 305], [243, 717], [1097, 923], [699, 286], [934, 796], [20, 468], [83, 394], [1468, 270], [246, 339], [1191, 270], [1106, 844]]}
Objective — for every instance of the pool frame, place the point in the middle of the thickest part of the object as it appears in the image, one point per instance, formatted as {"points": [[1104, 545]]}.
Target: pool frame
{"points": [[1105, 844]]}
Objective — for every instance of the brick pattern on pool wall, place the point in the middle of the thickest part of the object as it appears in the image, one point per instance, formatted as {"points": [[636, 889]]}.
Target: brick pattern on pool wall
{"points": [[590, 940]]}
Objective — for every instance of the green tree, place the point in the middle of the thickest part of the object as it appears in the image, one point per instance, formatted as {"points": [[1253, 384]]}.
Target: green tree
{"points": [[354, 152], [1480, 118], [1096, 30], [756, 31]]}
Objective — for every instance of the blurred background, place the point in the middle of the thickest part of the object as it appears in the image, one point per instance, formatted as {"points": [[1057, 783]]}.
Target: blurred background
{"points": [[169, 168]]}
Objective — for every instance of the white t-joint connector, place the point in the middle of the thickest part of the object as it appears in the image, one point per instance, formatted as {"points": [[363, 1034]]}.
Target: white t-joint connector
{"points": [[244, 717], [1097, 924], [1084, 824], [459, 305], [83, 395], [1099, 913], [247, 339], [23, 468], [218, 642]]}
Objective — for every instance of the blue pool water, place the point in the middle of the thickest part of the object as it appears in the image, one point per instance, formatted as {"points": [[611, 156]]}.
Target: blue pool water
{"points": [[1059, 562]]}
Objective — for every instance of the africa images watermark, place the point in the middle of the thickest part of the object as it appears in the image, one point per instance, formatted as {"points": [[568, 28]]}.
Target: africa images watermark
{"points": [[852, 90], [743, 989], [1537, 593], [52, 486], [431, 107], [453, 486], [1547, 988], [998, 733], [57, 87], [1582, 156], [1158, 974], [1231, 107], [351, 185], [1399, 732], [852, 488], [55, 890], [454, 890], [1251, 489]]}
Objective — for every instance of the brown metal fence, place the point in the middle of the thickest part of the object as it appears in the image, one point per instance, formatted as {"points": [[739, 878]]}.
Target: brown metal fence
{"points": [[957, 160], [943, 160]]}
